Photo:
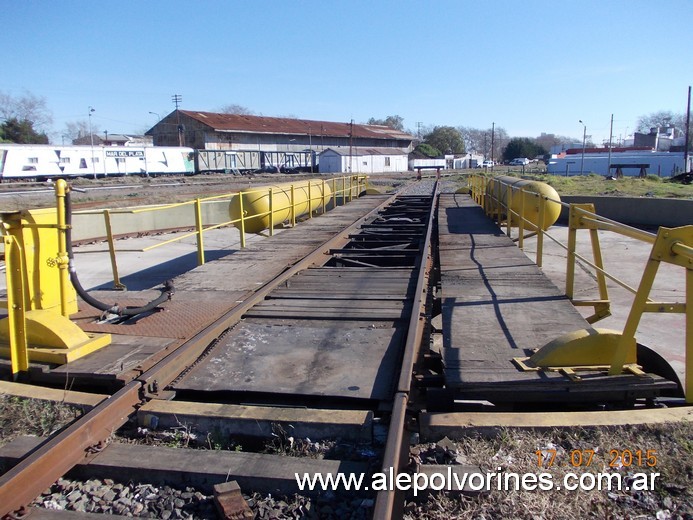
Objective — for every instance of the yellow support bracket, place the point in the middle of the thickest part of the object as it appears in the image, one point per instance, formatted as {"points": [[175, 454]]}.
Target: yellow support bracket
{"points": [[584, 349], [52, 338], [602, 306], [674, 246]]}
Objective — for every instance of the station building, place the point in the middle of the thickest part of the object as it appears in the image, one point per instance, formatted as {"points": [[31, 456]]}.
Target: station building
{"points": [[278, 140]]}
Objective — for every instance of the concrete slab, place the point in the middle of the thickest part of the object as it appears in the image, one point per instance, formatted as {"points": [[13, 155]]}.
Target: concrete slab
{"points": [[435, 426], [258, 421]]}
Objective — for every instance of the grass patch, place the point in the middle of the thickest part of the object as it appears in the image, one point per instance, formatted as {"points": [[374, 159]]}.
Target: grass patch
{"points": [[651, 186], [20, 416], [515, 450]]}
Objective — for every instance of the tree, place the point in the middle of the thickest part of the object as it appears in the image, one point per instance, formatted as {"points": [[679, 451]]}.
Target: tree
{"points": [[28, 107], [663, 118], [21, 132], [522, 147], [396, 122], [447, 139], [76, 129], [236, 110], [478, 140], [427, 150]]}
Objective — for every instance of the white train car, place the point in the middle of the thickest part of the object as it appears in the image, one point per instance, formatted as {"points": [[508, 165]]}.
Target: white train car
{"points": [[41, 162]]}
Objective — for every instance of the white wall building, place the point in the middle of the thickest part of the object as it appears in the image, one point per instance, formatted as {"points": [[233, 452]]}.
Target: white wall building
{"points": [[362, 160], [630, 161]]}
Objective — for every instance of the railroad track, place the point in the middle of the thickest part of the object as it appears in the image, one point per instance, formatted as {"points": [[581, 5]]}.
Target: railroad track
{"points": [[357, 308]]}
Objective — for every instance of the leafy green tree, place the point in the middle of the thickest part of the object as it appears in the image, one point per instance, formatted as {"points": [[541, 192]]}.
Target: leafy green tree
{"points": [[396, 122], [522, 147], [21, 132], [447, 139], [428, 150]]}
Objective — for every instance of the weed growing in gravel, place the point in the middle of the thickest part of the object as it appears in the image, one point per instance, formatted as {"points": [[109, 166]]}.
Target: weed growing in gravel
{"points": [[20, 416]]}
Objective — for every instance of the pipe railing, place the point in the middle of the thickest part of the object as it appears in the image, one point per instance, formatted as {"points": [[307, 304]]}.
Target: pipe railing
{"points": [[670, 245], [343, 188]]}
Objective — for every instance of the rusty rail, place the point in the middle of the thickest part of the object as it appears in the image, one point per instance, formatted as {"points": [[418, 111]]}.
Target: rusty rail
{"points": [[390, 503], [58, 454]]}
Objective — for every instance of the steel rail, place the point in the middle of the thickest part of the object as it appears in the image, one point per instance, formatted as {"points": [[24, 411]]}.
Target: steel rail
{"points": [[389, 502], [61, 452]]}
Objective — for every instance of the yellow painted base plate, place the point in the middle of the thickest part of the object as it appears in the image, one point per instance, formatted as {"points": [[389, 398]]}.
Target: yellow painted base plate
{"points": [[62, 356], [53, 338]]}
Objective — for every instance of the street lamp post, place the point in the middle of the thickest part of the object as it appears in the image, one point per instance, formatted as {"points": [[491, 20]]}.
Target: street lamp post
{"points": [[91, 138], [584, 138]]}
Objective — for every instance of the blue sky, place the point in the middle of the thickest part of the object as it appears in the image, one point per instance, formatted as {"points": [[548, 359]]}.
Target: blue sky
{"points": [[529, 66]]}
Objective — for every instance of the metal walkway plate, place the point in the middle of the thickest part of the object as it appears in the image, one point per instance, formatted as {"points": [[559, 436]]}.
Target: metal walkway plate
{"points": [[303, 358]]}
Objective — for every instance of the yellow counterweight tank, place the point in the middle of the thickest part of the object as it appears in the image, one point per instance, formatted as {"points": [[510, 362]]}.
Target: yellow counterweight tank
{"points": [[500, 186], [308, 197]]}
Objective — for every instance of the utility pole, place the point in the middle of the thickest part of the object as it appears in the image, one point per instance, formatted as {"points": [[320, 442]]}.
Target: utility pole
{"points": [[611, 133], [351, 143], [493, 137], [177, 98], [584, 138], [688, 127]]}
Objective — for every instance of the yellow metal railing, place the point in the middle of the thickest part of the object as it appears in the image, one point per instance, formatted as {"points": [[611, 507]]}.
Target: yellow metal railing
{"points": [[344, 189], [669, 245]]}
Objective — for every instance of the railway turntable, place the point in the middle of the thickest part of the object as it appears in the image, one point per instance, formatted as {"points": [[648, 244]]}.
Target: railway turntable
{"points": [[498, 308], [333, 333]]}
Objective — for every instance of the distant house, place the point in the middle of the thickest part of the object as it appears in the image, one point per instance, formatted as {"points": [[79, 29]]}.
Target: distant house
{"points": [[362, 160], [114, 140]]}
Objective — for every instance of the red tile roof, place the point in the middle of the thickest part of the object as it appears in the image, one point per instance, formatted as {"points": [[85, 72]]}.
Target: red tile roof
{"points": [[283, 125]]}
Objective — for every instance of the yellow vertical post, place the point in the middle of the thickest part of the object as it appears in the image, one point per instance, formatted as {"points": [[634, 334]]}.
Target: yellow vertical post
{"points": [[509, 210], [689, 335], [117, 284], [241, 213], [200, 233], [293, 207], [636, 311], [344, 201], [19, 358], [573, 222], [351, 188], [601, 309], [499, 203], [271, 212], [310, 200], [540, 231], [521, 221], [62, 259], [323, 197]]}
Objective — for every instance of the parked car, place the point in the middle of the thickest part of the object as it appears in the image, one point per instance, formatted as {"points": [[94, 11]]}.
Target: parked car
{"points": [[520, 161], [487, 164]]}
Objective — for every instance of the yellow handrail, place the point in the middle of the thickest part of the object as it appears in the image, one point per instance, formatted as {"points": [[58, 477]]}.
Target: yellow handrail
{"points": [[346, 193], [674, 246]]}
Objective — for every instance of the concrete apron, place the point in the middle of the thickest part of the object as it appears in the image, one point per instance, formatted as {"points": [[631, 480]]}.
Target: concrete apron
{"points": [[637, 211]]}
